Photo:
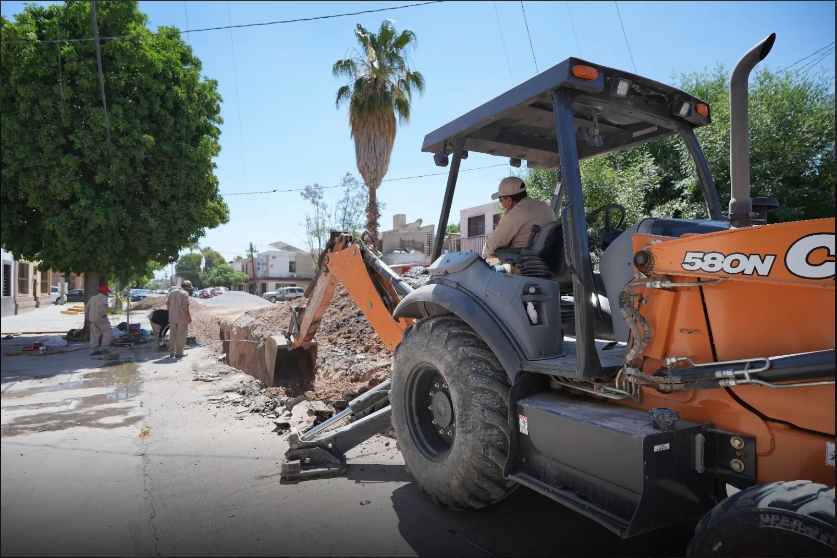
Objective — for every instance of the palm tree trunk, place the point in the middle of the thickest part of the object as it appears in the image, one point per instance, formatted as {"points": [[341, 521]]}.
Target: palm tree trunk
{"points": [[372, 217]]}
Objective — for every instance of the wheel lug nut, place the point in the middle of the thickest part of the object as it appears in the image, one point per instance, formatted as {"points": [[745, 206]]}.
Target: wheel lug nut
{"points": [[430, 408], [445, 386], [441, 431], [432, 394], [433, 421], [450, 432], [436, 385]]}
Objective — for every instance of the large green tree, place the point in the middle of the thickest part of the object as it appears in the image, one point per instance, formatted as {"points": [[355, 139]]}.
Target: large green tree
{"points": [[791, 153], [69, 199], [381, 84], [225, 276], [189, 267]]}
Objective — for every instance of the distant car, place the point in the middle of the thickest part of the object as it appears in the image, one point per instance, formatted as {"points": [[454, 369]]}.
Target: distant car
{"points": [[222, 289], [216, 291], [138, 294], [54, 294], [206, 293], [195, 293], [289, 292], [74, 295]]}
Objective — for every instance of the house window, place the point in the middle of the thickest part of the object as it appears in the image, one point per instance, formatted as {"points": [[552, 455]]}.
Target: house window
{"points": [[7, 280], [496, 221], [292, 267], [273, 257], [277, 286], [23, 278], [476, 226], [44, 282]]}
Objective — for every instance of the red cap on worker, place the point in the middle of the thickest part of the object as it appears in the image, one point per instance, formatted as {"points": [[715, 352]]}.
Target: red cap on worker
{"points": [[104, 290]]}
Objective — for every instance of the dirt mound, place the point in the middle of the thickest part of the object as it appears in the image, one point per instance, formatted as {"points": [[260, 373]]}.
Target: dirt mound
{"points": [[416, 276], [350, 356], [150, 303]]}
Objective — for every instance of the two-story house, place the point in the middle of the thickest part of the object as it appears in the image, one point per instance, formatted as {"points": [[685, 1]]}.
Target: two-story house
{"points": [[273, 269], [476, 225]]}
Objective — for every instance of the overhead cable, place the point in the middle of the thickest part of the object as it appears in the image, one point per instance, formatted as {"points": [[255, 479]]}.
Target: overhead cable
{"points": [[503, 39], [530, 37], [260, 24], [237, 98], [277, 191], [573, 25], [626, 36], [805, 58]]}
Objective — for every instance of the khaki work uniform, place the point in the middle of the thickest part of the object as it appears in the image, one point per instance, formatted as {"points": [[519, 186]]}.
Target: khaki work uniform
{"points": [[178, 305], [515, 226], [96, 311]]}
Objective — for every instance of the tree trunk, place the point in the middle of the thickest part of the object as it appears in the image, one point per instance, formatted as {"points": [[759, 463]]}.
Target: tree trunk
{"points": [[372, 217]]}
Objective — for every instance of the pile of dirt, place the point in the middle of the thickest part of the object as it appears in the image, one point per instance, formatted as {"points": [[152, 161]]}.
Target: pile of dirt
{"points": [[350, 358], [150, 303], [416, 277]]}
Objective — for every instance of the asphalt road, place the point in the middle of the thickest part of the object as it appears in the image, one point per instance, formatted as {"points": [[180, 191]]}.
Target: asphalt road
{"points": [[137, 460]]}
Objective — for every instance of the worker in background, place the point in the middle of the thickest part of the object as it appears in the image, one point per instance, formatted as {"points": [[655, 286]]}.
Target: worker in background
{"points": [[96, 312], [160, 325], [179, 318], [515, 226]]}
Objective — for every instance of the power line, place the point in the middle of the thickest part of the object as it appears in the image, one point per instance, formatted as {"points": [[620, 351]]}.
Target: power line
{"points": [[237, 98], [508, 62], [260, 24], [810, 66], [626, 36], [805, 58], [530, 37], [573, 24], [277, 191]]}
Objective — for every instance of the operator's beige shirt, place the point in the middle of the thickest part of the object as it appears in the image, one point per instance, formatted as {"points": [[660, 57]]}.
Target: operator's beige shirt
{"points": [[96, 309], [515, 226], [178, 304]]}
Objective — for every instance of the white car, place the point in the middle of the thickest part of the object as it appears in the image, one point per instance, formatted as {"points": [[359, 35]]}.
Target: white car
{"points": [[54, 294]]}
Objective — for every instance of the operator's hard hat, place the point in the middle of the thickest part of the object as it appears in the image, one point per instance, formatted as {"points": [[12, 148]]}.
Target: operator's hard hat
{"points": [[509, 186]]}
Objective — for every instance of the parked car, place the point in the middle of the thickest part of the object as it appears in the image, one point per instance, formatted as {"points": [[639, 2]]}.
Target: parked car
{"points": [[195, 293], [73, 295], [206, 293], [138, 294], [289, 292], [54, 294]]}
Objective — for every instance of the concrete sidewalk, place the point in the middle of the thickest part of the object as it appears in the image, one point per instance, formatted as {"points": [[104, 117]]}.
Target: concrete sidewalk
{"points": [[49, 319]]}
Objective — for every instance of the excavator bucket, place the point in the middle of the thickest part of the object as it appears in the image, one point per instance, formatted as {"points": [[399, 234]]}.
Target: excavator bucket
{"points": [[288, 366]]}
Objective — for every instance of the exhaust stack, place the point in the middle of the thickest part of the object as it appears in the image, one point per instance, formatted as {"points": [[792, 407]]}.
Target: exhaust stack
{"points": [[740, 204]]}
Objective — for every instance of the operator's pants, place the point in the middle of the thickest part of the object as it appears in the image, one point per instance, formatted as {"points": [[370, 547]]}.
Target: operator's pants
{"points": [[177, 338], [159, 331], [96, 329]]}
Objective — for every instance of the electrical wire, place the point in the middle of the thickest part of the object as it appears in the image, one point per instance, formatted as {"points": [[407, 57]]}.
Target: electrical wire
{"points": [[573, 25], [786, 68], [503, 39], [277, 191], [260, 24], [810, 66], [237, 98], [530, 37], [626, 35]]}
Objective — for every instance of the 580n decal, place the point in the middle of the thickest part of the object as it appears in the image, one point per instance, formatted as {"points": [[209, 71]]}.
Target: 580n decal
{"points": [[799, 260]]}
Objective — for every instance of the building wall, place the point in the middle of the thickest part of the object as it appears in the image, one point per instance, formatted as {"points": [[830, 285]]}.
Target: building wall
{"points": [[403, 235], [9, 278], [488, 210], [31, 287]]}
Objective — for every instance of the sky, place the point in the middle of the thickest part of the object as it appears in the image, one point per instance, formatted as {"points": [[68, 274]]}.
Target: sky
{"points": [[282, 130]]}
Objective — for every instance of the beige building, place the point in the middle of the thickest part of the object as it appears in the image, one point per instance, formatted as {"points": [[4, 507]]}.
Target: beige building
{"points": [[31, 287], [476, 225], [284, 266], [407, 244]]}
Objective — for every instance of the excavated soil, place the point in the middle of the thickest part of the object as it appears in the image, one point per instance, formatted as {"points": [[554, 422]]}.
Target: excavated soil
{"points": [[205, 324]]}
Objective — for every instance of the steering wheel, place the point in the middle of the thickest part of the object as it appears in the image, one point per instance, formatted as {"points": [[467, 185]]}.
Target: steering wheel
{"points": [[610, 232]]}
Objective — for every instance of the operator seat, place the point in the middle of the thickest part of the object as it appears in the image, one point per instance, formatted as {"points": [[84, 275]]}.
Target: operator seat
{"points": [[543, 256]]}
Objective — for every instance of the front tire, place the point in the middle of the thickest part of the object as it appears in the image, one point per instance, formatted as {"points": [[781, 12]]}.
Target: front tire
{"points": [[776, 519], [273, 299], [444, 372]]}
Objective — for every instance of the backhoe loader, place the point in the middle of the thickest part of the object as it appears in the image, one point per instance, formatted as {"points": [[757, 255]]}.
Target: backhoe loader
{"points": [[696, 361]]}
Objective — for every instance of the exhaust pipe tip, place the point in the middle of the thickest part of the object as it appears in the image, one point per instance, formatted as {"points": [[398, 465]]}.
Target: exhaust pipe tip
{"points": [[766, 45]]}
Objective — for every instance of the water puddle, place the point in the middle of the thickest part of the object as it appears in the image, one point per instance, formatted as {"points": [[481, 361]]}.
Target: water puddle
{"points": [[77, 409]]}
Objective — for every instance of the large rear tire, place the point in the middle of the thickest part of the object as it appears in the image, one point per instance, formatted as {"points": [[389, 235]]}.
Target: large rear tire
{"points": [[450, 404], [776, 519]]}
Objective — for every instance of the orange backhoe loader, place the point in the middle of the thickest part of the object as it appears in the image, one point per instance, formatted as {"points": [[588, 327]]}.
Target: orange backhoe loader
{"points": [[691, 374]]}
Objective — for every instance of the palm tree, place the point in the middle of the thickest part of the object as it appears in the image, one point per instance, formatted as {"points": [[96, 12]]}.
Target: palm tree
{"points": [[381, 83]]}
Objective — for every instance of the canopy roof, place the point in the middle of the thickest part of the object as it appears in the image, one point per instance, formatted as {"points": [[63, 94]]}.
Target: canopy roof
{"points": [[519, 123]]}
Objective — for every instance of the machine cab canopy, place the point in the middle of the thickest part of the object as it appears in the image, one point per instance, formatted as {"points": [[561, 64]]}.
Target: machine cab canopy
{"points": [[626, 109]]}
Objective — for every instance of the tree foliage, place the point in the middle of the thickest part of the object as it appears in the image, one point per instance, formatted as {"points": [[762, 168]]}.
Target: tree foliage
{"points": [[224, 275], [791, 154], [380, 84], [189, 267], [66, 200], [211, 259]]}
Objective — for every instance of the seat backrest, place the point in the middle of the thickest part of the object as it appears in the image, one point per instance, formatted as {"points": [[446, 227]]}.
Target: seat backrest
{"points": [[549, 247]]}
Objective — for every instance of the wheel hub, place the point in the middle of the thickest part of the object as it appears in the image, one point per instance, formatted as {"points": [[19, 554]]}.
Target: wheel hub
{"points": [[442, 409]]}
